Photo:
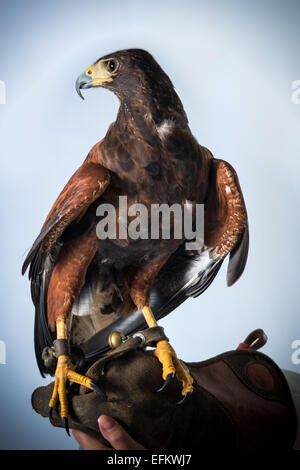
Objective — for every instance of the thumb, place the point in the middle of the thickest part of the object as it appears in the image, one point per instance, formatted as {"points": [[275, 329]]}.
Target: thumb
{"points": [[116, 436]]}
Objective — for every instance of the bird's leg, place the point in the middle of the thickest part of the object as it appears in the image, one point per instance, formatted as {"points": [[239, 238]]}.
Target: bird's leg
{"points": [[64, 372], [141, 283], [66, 281], [171, 365]]}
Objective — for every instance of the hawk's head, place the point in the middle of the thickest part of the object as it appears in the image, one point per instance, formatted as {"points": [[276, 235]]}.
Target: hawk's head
{"points": [[137, 79], [125, 72]]}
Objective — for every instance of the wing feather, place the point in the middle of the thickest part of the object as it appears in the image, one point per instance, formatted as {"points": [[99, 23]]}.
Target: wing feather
{"points": [[238, 258], [85, 186]]}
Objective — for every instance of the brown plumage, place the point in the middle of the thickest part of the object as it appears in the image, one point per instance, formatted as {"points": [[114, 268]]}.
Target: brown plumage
{"points": [[150, 155]]}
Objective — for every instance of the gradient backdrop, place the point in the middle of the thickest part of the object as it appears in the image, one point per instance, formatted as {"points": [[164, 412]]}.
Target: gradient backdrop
{"points": [[232, 63]]}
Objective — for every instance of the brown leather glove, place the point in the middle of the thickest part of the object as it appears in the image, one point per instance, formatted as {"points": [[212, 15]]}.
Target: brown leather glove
{"points": [[241, 400]]}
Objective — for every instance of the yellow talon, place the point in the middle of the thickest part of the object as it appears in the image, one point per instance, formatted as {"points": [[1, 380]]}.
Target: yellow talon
{"points": [[164, 353], [65, 372], [54, 398], [185, 378], [168, 358]]}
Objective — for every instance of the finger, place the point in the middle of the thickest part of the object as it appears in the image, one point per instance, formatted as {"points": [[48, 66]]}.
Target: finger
{"points": [[87, 442], [116, 436]]}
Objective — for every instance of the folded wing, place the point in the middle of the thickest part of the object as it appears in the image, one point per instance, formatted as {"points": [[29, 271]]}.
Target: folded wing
{"points": [[86, 185]]}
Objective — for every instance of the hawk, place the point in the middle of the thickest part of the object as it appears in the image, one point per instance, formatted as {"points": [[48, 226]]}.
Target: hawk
{"points": [[150, 156]]}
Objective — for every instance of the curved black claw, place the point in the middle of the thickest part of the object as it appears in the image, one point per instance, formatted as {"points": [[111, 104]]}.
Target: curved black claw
{"points": [[186, 396], [168, 380], [66, 425], [98, 389]]}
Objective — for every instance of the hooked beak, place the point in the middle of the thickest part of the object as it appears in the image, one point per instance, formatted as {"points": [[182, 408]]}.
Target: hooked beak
{"points": [[83, 81], [94, 76]]}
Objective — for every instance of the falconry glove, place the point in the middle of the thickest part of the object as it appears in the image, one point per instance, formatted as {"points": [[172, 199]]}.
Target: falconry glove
{"points": [[241, 399]]}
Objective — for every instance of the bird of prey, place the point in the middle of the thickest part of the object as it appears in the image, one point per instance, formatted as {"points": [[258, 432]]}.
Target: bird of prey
{"points": [[150, 156]]}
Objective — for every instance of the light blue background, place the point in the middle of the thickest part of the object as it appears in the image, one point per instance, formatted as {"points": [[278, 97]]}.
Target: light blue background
{"points": [[232, 63]]}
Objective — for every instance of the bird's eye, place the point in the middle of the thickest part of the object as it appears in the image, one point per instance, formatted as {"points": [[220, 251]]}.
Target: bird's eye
{"points": [[112, 65]]}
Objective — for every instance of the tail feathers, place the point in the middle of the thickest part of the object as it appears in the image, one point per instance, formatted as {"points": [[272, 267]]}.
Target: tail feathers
{"points": [[43, 336]]}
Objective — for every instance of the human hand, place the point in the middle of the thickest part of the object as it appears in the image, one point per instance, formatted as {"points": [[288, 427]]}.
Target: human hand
{"points": [[112, 432]]}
